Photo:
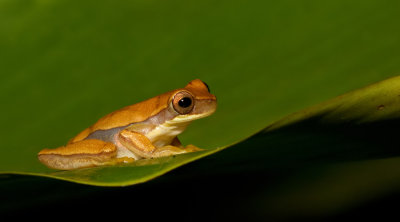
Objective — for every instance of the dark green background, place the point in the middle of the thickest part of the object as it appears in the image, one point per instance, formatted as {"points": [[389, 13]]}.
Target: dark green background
{"points": [[64, 64]]}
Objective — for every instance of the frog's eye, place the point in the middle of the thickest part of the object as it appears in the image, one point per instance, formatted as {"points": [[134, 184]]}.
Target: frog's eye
{"points": [[183, 102]]}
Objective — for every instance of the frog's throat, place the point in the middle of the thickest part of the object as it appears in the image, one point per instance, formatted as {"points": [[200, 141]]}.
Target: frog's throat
{"points": [[164, 133]]}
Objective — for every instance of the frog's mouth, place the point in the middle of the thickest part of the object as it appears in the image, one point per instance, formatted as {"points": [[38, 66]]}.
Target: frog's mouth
{"points": [[201, 109]]}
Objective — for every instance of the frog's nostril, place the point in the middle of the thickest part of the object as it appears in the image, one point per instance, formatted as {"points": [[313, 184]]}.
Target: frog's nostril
{"points": [[208, 88]]}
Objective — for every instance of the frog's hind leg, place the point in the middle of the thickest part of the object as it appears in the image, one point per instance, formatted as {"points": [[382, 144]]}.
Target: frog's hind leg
{"points": [[81, 154]]}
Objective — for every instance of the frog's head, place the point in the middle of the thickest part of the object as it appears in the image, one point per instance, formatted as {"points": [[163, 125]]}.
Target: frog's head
{"points": [[194, 101]]}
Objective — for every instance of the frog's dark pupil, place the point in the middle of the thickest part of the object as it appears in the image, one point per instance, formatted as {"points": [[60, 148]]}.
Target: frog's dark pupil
{"points": [[185, 102]]}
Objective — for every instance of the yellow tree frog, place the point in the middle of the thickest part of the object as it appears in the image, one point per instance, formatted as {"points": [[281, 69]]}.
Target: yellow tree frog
{"points": [[147, 129]]}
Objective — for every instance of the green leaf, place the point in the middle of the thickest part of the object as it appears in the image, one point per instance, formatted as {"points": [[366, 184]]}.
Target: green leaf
{"points": [[376, 103], [319, 161], [316, 162], [61, 71]]}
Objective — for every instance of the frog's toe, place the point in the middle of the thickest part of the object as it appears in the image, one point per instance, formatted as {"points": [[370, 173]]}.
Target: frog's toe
{"points": [[192, 148]]}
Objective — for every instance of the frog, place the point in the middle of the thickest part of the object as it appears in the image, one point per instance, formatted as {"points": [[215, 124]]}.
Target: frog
{"points": [[144, 130]]}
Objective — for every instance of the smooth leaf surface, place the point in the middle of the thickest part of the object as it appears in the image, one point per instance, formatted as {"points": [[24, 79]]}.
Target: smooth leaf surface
{"points": [[67, 63]]}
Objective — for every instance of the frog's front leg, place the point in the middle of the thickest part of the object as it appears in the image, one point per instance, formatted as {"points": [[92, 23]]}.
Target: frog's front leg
{"points": [[140, 145], [81, 154]]}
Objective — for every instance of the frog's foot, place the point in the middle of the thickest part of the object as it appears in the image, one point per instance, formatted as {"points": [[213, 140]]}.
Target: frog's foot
{"points": [[192, 148], [168, 151], [173, 150], [81, 154], [120, 160]]}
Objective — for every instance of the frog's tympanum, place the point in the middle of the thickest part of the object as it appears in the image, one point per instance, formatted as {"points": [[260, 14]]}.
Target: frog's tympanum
{"points": [[147, 129]]}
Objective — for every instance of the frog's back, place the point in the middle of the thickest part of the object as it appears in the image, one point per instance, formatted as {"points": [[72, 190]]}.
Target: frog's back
{"points": [[130, 114]]}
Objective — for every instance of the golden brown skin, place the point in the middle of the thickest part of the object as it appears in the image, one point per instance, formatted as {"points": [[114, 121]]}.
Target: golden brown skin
{"points": [[141, 111], [144, 130]]}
